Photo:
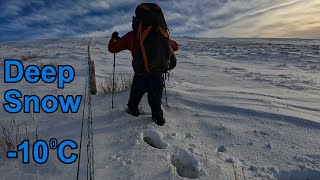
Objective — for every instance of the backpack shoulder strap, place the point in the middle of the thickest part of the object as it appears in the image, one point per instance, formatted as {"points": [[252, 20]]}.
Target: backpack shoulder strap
{"points": [[142, 36], [164, 32]]}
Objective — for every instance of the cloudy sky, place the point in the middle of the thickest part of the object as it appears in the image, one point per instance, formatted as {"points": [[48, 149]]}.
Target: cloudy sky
{"points": [[35, 19]]}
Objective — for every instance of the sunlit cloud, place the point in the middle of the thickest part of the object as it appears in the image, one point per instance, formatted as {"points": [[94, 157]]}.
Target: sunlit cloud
{"points": [[297, 19]]}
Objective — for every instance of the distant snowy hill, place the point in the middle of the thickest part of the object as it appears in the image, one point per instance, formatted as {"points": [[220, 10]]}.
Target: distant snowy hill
{"points": [[238, 109]]}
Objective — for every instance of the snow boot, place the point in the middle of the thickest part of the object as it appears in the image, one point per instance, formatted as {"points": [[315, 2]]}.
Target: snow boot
{"points": [[133, 112], [159, 120]]}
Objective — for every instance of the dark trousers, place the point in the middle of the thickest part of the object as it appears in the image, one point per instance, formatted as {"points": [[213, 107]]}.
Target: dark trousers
{"points": [[153, 85]]}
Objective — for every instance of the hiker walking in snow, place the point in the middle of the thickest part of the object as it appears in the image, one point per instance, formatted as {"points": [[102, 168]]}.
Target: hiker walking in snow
{"points": [[152, 53]]}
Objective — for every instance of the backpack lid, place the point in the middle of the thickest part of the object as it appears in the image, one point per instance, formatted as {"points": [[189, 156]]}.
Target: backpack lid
{"points": [[145, 10]]}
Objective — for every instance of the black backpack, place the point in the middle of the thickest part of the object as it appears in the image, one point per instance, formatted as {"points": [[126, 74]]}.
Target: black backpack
{"points": [[154, 53]]}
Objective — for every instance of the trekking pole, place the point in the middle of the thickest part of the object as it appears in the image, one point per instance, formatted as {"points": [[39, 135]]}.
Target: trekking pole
{"points": [[165, 91], [114, 67]]}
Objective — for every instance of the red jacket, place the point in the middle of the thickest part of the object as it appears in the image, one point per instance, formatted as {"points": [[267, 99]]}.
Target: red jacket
{"points": [[130, 42]]}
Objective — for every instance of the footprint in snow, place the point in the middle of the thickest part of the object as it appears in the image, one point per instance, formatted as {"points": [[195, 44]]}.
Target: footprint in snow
{"points": [[186, 164], [154, 139]]}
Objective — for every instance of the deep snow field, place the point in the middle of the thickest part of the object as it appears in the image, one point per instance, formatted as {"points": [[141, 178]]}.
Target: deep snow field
{"points": [[238, 109]]}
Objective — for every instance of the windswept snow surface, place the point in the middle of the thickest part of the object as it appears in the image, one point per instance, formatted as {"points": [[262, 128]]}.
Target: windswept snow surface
{"points": [[238, 109]]}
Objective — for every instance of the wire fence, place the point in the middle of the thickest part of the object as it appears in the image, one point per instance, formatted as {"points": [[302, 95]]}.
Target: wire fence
{"points": [[90, 88]]}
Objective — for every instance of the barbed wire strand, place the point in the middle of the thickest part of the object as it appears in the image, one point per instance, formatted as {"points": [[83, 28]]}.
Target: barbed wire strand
{"points": [[90, 150]]}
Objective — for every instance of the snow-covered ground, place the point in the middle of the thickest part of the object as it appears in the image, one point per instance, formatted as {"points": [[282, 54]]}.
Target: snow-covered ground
{"points": [[238, 109]]}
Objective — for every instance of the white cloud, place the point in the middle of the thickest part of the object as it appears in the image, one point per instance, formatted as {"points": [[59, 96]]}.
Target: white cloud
{"points": [[121, 28], [99, 5], [10, 8]]}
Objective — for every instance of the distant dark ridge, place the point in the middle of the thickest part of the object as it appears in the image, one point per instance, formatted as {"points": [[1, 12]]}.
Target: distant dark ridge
{"points": [[43, 39], [253, 38]]}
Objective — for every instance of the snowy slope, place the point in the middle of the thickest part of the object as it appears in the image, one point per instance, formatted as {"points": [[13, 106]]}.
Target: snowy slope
{"points": [[245, 105]]}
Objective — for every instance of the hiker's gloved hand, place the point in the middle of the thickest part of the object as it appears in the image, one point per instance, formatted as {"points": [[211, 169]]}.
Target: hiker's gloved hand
{"points": [[115, 35]]}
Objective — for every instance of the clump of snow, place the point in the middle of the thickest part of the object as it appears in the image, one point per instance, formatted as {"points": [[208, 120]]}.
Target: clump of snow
{"points": [[253, 168], [273, 169], [230, 160], [222, 148], [189, 136], [269, 146], [251, 143]]}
